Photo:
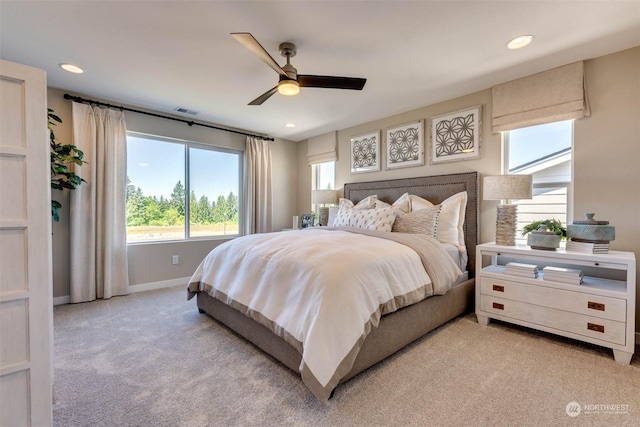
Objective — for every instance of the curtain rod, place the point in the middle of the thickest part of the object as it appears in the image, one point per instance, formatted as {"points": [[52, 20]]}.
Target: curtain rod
{"points": [[189, 122]]}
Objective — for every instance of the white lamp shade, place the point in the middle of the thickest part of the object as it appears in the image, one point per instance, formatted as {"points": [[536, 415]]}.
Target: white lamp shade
{"points": [[324, 197], [508, 187]]}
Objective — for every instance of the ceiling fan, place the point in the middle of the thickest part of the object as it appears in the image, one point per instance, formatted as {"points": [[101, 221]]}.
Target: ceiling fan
{"points": [[290, 81]]}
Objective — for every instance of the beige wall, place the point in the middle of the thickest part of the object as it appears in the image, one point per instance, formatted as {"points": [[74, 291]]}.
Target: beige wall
{"points": [[606, 151], [151, 262]]}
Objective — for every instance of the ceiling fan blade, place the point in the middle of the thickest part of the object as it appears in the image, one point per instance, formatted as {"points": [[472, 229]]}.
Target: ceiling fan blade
{"points": [[256, 48], [259, 100], [331, 82]]}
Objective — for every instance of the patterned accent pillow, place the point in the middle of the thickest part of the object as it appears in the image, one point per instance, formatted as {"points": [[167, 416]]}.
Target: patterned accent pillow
{"points": [[423, 221], [368, 202], [370, 219]]}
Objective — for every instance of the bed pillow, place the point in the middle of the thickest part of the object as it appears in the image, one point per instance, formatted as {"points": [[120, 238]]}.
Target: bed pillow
{"points": [[370, 219], [423, 221], [368, 202], [333, 211], [418, 203], [403, 203], [451, 220]]}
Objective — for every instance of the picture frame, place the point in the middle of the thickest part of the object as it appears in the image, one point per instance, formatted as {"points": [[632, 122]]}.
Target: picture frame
{"points": [[405, 145], [364, 153], [308, 220], [456, 136]]}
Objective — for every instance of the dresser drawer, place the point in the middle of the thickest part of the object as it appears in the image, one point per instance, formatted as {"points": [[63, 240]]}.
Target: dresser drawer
{"points": [[589, 326], [575, 302]]}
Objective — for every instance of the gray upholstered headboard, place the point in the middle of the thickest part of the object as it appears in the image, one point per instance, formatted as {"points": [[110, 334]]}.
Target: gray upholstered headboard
{"points": [[433, 188]]}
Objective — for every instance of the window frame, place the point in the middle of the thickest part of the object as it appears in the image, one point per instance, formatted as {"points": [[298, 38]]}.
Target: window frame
{"points": [[507, 170], [316, 179], [187, 186]]}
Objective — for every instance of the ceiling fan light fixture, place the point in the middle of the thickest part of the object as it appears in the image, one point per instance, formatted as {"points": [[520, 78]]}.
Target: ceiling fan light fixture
{"points": [[288, 87], [520, 41]]}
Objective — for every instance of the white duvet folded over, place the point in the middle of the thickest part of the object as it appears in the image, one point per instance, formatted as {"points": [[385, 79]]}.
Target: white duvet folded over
{"points": [[322, 290]]}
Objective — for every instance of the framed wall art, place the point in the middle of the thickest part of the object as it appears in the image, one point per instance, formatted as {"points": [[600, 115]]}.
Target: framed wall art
{"points": [[456, 136], [308, 220], [405, 145], [365, 153]]}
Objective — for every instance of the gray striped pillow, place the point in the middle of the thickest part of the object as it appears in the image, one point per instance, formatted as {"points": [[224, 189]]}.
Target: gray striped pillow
{"points": [[423, 221]]}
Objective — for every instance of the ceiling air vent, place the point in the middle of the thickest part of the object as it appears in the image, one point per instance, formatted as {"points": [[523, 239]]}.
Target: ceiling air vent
{"points": [[186, 111]]}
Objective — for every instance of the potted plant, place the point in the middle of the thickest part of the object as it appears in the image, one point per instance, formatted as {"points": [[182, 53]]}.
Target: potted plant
{"points": [[545, 234], [62, 156], [551, 224]]}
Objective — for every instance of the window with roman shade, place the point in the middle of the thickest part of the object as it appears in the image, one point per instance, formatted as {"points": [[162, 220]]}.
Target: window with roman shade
{"points": [[323, 148], [550, 96]]}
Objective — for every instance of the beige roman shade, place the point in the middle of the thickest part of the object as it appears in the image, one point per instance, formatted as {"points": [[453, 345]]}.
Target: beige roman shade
{"points": [[323, 148], [550, 96]]}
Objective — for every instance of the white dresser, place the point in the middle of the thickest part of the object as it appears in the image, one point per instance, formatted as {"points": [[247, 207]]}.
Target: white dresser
{"points": [[601, 310]]}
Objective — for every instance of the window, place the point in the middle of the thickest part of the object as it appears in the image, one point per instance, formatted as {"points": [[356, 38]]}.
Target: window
{"points": [[325, 176], [161, 172], [544, 151]]}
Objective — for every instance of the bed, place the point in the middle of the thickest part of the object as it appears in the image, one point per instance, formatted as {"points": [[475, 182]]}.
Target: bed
{"points": [[383, 335]]}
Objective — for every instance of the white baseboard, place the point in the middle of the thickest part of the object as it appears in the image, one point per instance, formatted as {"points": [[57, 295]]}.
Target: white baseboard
{"points": [[136, 288], [62, 300], [159, 285]]}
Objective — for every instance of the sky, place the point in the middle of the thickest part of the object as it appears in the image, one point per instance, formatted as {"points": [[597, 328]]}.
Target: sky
{"points": [[156, 166], [531, 143]]}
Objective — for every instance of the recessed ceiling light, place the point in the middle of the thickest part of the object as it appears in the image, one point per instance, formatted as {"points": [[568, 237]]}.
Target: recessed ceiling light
{"points": [[290, 125], [520, 41], [72, 68]]}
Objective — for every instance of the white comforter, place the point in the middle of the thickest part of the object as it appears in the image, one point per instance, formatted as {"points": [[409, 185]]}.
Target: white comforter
{"points": [[322, 290]]}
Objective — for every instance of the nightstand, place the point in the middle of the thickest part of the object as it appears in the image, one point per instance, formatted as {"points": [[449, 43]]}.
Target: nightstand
{"points": [[601, 310]]}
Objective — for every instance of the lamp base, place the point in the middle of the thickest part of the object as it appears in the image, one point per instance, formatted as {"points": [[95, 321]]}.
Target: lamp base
{"points": [[506, 225], [323, 216]]}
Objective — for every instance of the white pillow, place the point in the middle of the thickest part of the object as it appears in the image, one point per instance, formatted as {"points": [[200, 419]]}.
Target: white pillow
{"points": [[451, 220], [418, 203], [403, 203], [333, 211], [423, 221], [370, 219], [368, 202]]}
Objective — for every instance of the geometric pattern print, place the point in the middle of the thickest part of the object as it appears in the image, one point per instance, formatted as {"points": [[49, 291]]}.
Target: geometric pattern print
{"points": [[404, 145], [369, 219], [455, 136], [364, 152]]}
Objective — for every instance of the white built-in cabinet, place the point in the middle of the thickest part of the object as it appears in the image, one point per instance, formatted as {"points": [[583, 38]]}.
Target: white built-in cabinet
{"points": [[26, 301]]}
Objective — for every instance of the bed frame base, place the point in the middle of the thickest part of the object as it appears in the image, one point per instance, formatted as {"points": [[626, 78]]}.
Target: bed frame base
{"points": [[395, 331]]}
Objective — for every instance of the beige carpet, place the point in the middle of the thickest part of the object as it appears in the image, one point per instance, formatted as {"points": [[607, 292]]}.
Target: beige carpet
{"points": [[150, 359]]}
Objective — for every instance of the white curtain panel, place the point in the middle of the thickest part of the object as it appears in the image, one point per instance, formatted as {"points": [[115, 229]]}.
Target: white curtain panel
{"points": [[99, 266], [257, 187]]}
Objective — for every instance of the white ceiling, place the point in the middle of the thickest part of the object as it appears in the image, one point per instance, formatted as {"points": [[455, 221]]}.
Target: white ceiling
{"points": [[166, 54]]}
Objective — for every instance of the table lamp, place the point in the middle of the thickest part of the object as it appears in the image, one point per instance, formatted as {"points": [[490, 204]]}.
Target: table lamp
{"points": [[507, 187], [324, 197]]}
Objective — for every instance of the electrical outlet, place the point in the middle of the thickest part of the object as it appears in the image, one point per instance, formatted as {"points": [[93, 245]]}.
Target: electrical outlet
{"points": [[175, 259]]}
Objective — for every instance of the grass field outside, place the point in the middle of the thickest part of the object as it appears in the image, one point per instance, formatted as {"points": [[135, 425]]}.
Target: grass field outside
{"points": [[146, 233]]}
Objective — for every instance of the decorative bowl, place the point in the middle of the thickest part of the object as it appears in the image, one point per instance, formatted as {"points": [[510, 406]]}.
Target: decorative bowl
{"points": [[591, 230]]}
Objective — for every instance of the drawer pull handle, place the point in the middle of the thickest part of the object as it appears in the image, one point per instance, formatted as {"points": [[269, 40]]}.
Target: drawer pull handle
{"points": [[595, 306], [498, 288], [594, 327], [498, 306]]}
